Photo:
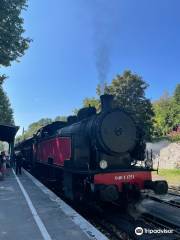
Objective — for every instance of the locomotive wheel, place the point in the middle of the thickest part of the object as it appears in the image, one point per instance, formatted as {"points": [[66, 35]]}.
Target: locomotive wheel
{"points": [[131, 193], [160, 187]]}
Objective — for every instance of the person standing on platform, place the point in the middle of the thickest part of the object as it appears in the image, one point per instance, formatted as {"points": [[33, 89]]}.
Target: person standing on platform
{"points": [[3, 162], [7, 160], [19, 162], [1, 167], [13, 160]]}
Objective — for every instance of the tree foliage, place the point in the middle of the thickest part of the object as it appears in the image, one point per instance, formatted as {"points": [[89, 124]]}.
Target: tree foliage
{"points": [[177, 94], [128, 90], [12, 42], [167, 113], [12, 46], [129, 94], [93, 102], [6, 112], [35, 126], [60, 118]]}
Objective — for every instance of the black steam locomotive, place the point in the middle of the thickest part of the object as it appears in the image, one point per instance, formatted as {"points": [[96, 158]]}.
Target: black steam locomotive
{"points": [[93, 155]]}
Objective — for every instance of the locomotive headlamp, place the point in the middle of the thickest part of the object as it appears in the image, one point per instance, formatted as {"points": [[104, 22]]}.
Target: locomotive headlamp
{"points": [[103, 164]]}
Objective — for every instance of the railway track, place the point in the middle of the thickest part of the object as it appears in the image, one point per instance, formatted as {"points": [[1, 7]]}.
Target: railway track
{"points": [[158, 222], [175, 202], [118, 225], [125, 224], [172, 198], [174, 194], [174, 190], [99, 218], [162, 214]]}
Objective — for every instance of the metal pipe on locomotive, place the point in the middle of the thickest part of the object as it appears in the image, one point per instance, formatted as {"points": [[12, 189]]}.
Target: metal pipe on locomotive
{"points": [[93, 155]]}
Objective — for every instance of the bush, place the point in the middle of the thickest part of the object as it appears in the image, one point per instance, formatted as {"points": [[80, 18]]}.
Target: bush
{"points": [[174, 137]]}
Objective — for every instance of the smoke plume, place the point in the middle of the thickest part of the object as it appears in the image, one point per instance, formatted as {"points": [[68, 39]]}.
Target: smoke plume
{"points": [[104, 28], [102, 65]]}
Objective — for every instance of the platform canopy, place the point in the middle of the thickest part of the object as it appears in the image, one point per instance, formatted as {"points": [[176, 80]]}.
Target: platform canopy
{"points": [[8, 133]]}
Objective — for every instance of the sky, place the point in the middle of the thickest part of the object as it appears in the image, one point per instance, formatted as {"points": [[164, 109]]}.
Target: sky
{"points": [[77, 43]]}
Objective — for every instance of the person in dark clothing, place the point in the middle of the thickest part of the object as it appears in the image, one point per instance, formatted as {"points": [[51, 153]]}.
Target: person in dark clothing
{"points": [[13, 160], [19, 161], [1, 161], [1, 168]]}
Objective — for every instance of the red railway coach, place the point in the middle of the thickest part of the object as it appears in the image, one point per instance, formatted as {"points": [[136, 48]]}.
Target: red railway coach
{"points": [[54, 150], [93, 156]]}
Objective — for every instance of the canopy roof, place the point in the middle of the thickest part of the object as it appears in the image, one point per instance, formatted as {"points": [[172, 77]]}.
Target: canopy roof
{"points": [[8, 132]]}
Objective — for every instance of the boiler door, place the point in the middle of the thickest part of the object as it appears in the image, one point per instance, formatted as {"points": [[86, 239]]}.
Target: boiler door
{"points": [[117, 132]]}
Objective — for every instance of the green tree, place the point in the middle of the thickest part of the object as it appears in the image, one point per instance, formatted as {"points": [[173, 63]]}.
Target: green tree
{"points": [[93, 102], [12, 42], [162, 119], [6, 112], [129, 94], [175, 109], [177, 94], [128, 90], [60, 118], [167, 113], [33, 128], [12, 46]]}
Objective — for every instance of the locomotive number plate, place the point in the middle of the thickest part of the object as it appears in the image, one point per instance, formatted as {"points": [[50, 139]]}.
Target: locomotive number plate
{"points": [[124, 177]]}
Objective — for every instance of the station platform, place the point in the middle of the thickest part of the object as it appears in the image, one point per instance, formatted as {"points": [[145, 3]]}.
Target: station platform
{"points": [[30, 211]]}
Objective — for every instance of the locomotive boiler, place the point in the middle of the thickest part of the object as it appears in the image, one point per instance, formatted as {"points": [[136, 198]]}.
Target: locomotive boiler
{"points": [[94, 155], [105, 141]]}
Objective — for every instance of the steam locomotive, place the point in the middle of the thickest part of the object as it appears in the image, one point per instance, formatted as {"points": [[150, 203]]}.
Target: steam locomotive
{"points": [[93, 155]]}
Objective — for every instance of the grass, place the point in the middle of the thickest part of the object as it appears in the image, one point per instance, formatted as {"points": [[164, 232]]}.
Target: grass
{"points": [[172, 176], [173, 137]]}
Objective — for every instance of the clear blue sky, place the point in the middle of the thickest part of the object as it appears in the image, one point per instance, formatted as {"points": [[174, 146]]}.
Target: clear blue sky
{"points": [[59, 69]]}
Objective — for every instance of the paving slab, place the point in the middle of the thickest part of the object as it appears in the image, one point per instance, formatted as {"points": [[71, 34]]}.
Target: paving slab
{"points": [[28, 210], [16, 220]]}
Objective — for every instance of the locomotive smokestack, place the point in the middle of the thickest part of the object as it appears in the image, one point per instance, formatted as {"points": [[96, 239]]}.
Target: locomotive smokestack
{"points": [[106, 102]]}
